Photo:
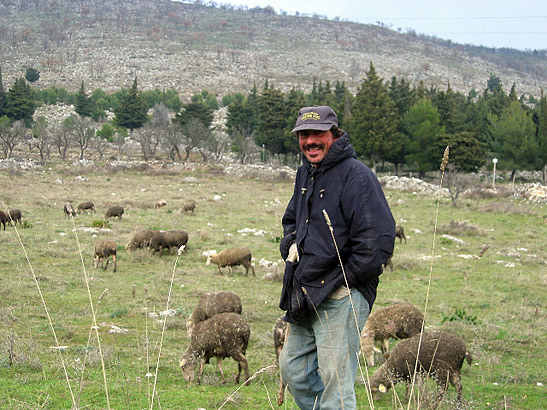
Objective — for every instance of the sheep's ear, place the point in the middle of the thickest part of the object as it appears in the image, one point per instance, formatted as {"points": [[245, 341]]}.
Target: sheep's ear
{"points": [[386, 355], [182, 363], [382, 388], [376, 349]]}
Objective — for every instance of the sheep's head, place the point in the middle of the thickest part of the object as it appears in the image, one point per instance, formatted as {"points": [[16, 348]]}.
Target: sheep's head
{"points": [[188, 364], [380, 383]]}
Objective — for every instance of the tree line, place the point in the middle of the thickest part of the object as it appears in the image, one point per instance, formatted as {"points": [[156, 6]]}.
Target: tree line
{"points": [[392, 121]]}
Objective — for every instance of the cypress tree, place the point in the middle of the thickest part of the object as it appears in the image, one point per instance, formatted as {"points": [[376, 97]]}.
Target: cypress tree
{"points": [[84, 104], [20, 103], [131, 112], [2, 95]]}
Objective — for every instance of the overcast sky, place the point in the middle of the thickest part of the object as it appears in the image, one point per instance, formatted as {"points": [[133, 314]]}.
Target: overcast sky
{"points": [[520, 24]]}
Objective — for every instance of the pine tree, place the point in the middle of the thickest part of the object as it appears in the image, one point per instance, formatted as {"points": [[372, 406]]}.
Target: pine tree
{"points": [[373, 126], [20, 102], [542, 132], [83, 104], [272, 121], [132, 110]]}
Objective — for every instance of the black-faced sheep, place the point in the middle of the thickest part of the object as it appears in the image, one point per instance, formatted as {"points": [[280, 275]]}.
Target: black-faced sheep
{"points": [[3, 219], [189, 206], [160, 203], [394, 322], [114, 211], [223, 335], [232, 257], [14, 215], [141, 239], [279, 334], [104, 249], [86, 206], [68, 210], [400, 233], [211, 304], [440, 357]]}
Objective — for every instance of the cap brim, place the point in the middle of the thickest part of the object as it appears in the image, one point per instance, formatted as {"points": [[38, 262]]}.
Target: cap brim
{"points": [[318, 127]]}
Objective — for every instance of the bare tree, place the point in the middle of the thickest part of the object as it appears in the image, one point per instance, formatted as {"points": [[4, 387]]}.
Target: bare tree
{"points": [[148, 138], [62, 141], [199, 136], [100, 144], [120, 141], [42, 137], [172, 141], [456, 182], [81, 131], [242, 142], [10, 135]]}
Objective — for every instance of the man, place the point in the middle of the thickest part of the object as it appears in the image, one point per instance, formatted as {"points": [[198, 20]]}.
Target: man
{"points": [[338, 232]]}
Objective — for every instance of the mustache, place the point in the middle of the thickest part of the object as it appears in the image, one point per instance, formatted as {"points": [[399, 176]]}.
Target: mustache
{"points": [[313, 146]]}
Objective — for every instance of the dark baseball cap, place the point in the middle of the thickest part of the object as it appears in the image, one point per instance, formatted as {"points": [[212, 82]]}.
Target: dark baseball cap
{"points": [[320, 118]]}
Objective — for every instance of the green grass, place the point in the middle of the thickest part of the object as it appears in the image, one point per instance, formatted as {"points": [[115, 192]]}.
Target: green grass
{"points": [[506, 302]]}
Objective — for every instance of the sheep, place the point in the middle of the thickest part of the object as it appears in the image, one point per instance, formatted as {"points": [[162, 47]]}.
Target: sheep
{"points": [[211, 304], [189, 206], [86, 206], [440, 356], [68, 210], [160, 203], [140, 239], [14, 215], [396, 322], [232, 257], [3, 219], [103, 250], [176, 238], [400, 233], [114, 211], [223, 335], [280, 332], [158, 242]]}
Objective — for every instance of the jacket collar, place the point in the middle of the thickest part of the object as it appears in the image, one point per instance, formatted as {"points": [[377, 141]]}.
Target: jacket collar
{"points": [[340, 150]]}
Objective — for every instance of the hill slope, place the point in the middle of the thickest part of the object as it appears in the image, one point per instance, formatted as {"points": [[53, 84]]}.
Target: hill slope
{"points": [[191, 47]]}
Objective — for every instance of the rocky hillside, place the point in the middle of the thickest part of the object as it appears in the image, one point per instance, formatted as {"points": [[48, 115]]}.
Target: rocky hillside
{"points": [[192, 47]]}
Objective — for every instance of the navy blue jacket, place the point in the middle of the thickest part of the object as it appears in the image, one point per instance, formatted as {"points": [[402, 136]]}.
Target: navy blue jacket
{"points": [[363, 229]]}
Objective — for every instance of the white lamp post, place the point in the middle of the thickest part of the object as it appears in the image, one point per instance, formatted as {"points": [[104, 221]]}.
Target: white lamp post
{"points": [[495, 161]]}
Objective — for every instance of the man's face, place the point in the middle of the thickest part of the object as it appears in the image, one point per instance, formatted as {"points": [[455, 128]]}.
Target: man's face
{"points": [[315, 144]]}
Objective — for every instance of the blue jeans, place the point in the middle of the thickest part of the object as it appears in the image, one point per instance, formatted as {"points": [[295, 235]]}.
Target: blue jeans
{"points": [[319, 359]]}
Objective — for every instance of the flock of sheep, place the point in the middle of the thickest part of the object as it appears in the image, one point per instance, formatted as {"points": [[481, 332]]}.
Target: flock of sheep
{"points": [[216, 327]]}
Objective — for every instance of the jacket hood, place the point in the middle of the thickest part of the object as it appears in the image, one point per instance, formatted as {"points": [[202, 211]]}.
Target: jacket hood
{"points": [[340, 150]]}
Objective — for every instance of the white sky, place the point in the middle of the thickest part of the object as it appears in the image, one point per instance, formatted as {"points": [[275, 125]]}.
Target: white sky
{"points": [[520, 24]]}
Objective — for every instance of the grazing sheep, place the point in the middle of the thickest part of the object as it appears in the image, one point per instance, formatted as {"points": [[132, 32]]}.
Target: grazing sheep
{"points": [[232, 257], [189, 206], [103, 250], [86, 206], [160, 203], [211, 304], [3, 219], [68, 210], [394, 322], [440, 356], [279, 334], [141, 239], [400, 233], [114, 211], [14, 216], [223, 335], [176, 238], [158, 242]]}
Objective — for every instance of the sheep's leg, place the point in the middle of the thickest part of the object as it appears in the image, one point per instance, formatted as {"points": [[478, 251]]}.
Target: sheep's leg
{"points": [[242, 364], [385, 345], [106, 264], [201, 366], [114, 260], [219, 365], [219, 271], [457, 383]]}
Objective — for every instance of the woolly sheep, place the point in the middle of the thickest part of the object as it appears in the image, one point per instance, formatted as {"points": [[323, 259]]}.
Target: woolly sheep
{"points": [[160, 203], [279, 333], [211, 304], [14, 215], [400, 233], [223, 335], [440, 357], [395, 322], [3, 219], [68, 210], [232, 257], [161, 240], [114, 211], [86, 206], [189, 206], [141, 239], [103, 250]]}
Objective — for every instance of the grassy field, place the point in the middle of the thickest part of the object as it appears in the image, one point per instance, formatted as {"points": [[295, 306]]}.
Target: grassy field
{"points": [[493, 302]]}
